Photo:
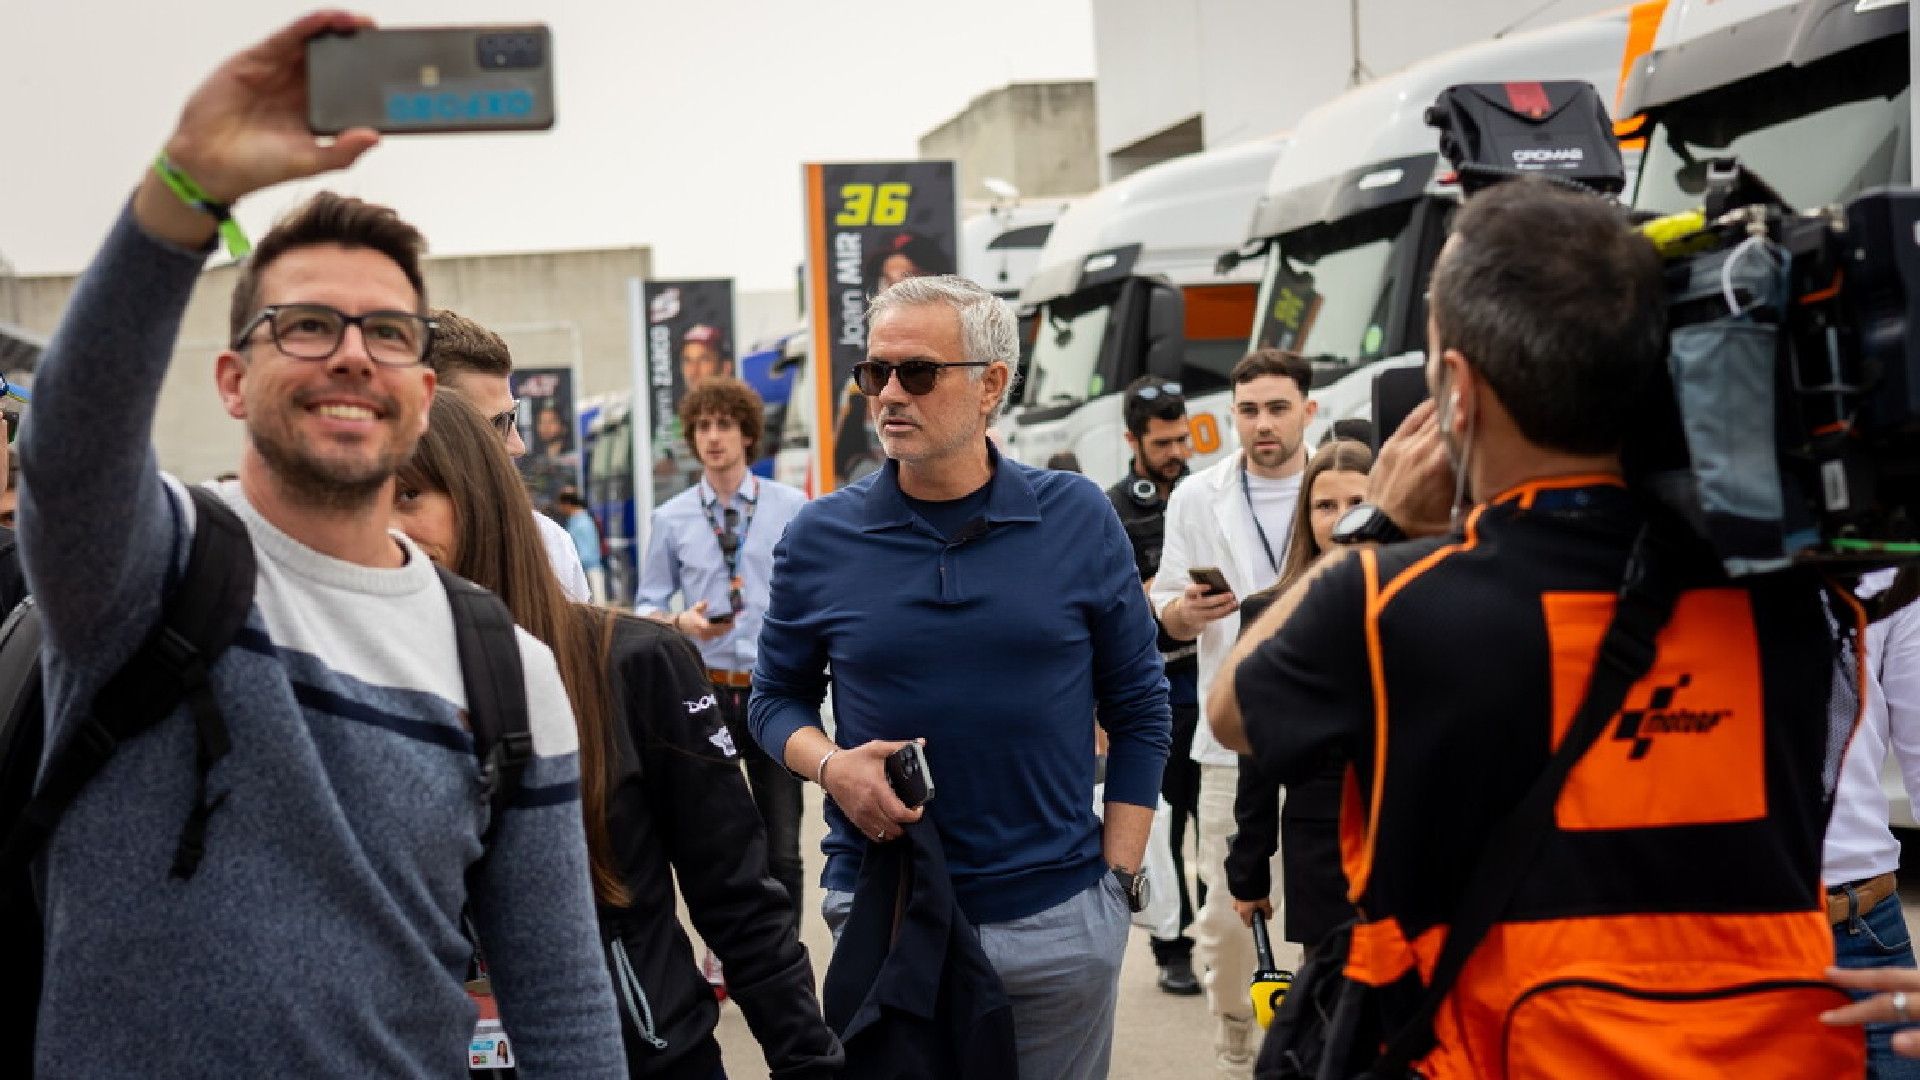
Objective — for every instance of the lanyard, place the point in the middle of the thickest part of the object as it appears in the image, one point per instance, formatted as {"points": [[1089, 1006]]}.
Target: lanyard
{"points": [[1246, 489], [731, 543]]}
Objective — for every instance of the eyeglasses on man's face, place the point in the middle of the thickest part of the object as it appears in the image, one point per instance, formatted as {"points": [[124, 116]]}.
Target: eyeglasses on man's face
{"points": [[916, 376], [315, 331]]}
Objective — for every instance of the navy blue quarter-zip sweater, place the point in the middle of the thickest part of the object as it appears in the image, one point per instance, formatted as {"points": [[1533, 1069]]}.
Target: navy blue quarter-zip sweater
{"points": [[996, 647]]}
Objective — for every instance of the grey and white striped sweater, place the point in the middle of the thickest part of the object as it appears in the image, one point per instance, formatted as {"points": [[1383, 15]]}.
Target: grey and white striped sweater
{"points": [[321, 934]]}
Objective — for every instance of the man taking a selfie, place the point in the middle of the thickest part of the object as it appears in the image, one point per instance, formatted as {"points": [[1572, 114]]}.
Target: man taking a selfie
{"points": [[287, 900]]}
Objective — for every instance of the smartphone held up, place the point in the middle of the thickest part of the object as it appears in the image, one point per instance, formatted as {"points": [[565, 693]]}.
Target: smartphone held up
{"points": [[421, 80], [1210, 578]]}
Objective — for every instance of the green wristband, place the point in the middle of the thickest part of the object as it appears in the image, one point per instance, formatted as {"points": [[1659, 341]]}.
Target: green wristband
{"points": [[196, 197]]}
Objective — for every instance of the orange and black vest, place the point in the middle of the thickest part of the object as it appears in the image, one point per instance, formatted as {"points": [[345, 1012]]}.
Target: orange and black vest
{"points": [[1673, 923]]}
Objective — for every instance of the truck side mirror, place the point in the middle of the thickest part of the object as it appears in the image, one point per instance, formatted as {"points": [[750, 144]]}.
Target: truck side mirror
{"points": [[1166, 331]]}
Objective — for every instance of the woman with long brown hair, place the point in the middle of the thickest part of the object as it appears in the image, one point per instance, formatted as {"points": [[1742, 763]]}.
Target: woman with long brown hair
{"points": [[1306, 828], [661, 789]]}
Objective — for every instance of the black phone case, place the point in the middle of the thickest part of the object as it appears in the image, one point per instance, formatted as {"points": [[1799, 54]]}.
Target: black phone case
{"points": [[907, 772], [1396, 392], [1216, 583], [422, 80]]}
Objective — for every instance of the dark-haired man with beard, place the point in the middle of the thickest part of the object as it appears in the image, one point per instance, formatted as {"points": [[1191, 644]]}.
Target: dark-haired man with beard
{"points": [[1154, 409], [310, 923]]}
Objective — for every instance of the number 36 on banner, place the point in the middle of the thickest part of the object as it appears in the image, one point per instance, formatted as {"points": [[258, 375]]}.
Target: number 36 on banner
{"points": [[873, 204]]}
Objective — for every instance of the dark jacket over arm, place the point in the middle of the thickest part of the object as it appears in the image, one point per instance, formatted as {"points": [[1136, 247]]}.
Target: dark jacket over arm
{"points": [[1256, 836]]}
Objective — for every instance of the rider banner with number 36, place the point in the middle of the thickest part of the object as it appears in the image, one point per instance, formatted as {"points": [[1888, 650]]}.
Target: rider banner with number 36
{"points": [[868, 226]]}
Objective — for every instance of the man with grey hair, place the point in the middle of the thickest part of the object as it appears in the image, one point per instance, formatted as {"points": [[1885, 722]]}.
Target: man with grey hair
{"points": [[988, 611]]}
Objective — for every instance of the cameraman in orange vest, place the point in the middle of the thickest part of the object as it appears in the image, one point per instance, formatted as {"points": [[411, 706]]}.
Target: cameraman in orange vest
{"points": [[1670, 921]]}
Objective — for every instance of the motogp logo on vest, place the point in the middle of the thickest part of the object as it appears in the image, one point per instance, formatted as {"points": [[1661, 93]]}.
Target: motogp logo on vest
{"points": [[1640, 726]]}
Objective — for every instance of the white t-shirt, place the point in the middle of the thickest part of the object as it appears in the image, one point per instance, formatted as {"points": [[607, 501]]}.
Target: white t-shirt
{"points": [[1273, 507], [565, 558]]}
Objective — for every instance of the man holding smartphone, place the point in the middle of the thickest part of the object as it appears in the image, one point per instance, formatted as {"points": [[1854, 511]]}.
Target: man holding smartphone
{"points": [[1227, 532], [713, 545], [311, 923]]}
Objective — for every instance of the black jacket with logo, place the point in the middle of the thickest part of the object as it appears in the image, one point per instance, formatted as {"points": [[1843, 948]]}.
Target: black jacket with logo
{"points": [[679, 806]]}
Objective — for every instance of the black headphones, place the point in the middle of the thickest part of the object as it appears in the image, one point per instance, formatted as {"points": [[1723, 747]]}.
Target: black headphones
{"points": [[1144, 492]]}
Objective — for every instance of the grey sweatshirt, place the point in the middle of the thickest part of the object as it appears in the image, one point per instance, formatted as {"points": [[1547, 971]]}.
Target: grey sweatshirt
{"points": [[321, 934]]}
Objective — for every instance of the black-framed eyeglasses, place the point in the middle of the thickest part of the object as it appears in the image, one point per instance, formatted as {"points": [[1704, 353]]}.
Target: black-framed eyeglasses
{"points": [[916, 376], [314, 332]]}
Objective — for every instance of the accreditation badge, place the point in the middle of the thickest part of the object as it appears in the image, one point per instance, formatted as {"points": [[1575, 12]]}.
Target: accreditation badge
{"points": [[489, 1048]]}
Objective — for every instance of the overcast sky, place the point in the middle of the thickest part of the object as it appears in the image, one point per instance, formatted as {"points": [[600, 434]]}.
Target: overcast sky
{"points": [[683, 124]]}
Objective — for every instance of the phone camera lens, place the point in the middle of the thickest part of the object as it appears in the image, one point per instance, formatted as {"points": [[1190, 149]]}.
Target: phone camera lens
{"points": [[507, 52]]}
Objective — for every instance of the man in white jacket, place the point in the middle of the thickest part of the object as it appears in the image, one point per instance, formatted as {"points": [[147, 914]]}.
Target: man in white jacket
{"points": [[1235, 516]]}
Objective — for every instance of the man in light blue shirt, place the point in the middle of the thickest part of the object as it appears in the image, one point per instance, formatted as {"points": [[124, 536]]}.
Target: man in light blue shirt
{"points": [[572, 511], [713, 545]]}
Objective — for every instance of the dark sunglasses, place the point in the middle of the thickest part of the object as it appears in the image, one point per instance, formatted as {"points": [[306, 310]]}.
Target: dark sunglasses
{"points": [[916, 376], [504, 422], [1149, 393]]}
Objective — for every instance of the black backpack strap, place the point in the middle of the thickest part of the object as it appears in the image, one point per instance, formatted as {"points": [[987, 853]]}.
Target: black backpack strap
{"points": [[199, 617], [496, 690], [24, 722], [1627, 653]]}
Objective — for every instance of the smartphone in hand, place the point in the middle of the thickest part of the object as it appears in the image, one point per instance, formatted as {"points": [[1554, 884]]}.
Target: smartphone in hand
{"points": [[1211, 577], [431, 79], [908, 773]]}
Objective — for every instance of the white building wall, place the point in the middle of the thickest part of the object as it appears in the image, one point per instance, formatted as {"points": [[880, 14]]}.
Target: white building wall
{"points": [[1251, 67], [1147, 58]]}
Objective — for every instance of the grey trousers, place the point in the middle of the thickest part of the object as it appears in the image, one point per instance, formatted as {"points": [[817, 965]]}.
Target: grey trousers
{"points": [[1061, 971]]}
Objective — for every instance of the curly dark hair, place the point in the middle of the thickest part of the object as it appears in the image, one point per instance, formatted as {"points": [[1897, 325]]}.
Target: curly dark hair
{"points": [[724, 396]]}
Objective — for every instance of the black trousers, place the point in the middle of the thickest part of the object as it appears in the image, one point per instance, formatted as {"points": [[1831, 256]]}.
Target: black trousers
{"points": [[776, 792], [1180, 786]]}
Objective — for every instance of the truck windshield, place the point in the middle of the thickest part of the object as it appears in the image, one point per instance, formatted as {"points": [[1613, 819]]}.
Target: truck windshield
{"points": [[1066, 355], [1328, 289], [1819, 134]]}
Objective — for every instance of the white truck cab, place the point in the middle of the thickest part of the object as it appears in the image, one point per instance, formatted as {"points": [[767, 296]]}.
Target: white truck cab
{"points": [[1355, 212], [1129, 285], [1813, 97]]}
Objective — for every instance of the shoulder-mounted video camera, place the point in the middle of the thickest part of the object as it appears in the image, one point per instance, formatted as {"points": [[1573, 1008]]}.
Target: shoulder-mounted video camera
{"points": [[1789, 429], [1491, 132]]}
